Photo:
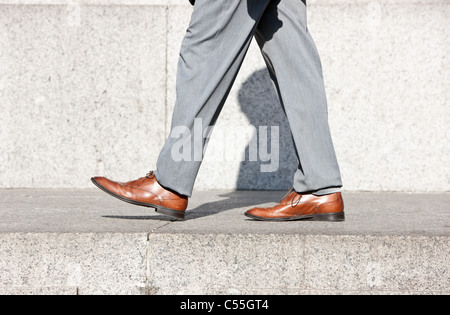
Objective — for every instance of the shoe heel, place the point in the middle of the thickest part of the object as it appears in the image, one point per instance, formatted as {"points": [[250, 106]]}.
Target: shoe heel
{"points": [[171, 212], [330, 217]]}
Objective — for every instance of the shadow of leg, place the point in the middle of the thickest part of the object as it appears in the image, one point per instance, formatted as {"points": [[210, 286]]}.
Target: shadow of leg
{"points": [[259, 102]]}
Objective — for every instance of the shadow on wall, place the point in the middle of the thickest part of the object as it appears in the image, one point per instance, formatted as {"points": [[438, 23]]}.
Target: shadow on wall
{"points": [[259, 102]]}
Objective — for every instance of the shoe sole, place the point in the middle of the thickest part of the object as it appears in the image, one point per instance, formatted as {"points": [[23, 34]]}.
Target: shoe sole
{"points": [[160, 209], [323, 217]]}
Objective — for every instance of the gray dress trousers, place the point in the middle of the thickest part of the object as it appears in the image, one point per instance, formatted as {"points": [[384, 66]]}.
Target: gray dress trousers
{"points": [[212, 52]]}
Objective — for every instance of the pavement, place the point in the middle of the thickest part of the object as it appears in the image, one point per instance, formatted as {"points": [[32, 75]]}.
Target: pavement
{"points": [[82, 241], [218, 212]]}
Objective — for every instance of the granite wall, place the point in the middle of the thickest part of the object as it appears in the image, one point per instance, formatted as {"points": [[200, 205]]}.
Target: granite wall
{"points": [[87, 88]]}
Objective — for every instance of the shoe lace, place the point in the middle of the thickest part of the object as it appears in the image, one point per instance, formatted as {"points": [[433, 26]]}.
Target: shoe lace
{"points": [[294, 201], [150, 175], [287, 194]]}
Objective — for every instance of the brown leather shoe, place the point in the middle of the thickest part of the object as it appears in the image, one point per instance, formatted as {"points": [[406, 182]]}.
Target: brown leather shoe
{"points": [[295, 206], [147, 192]]}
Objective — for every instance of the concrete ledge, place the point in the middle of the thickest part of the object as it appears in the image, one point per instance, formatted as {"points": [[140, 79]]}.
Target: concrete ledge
{"points": [[297, 264], [84, 242], [87, 263]]}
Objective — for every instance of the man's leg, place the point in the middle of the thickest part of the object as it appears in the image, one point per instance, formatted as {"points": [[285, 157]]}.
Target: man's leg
{"points": [[211, 55], [296, 70]]}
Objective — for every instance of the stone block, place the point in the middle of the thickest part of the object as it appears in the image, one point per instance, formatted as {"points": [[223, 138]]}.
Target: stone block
{"points": [[82, 93], [105, 263], [87, 88]]}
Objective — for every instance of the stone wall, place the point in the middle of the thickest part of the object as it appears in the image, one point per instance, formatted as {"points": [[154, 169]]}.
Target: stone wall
{"points": [[87, 88]]}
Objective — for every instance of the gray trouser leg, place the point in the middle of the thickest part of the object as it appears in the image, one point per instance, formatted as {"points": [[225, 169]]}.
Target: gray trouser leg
{"points": [[211, 55], [295, 67]]}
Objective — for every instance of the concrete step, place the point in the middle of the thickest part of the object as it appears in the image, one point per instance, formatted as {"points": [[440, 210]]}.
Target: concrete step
{"points": [[85, 242]]}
